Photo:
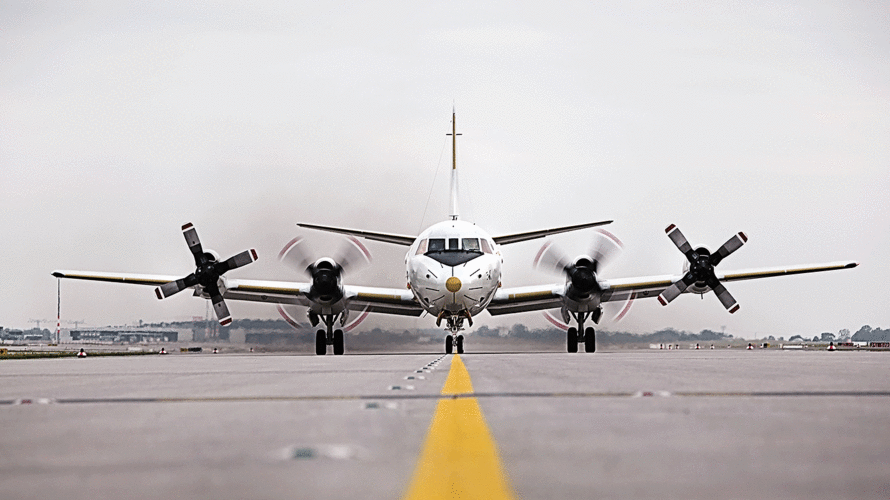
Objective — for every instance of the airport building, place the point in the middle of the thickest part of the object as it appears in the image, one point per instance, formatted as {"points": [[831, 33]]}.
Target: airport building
{"points": [[124, 335]]}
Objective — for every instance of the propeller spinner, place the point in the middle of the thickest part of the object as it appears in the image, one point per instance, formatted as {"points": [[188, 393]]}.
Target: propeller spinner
{"points": [[207, 273], [701, 268]]}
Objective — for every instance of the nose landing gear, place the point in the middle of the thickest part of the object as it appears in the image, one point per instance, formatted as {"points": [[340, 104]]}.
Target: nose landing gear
{"points": [[454, 341]]}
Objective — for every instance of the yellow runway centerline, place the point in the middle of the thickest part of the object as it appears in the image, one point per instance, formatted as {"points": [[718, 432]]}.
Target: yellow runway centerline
{"points": [[459, 457]]}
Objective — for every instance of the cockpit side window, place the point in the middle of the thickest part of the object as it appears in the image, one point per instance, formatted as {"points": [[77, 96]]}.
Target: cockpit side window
{"points": [[471, 244], [486, 248], [436, 245], [421, 248]]}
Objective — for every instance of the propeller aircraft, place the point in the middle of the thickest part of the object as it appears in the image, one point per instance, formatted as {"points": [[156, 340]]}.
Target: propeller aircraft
{"points": [[453, 273]]}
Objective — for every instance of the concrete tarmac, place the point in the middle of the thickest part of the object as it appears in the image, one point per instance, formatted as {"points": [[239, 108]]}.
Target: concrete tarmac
{"points": [[615, 424]]}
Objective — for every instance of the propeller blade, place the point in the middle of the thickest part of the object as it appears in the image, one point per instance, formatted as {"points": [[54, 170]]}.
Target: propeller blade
{"points": [[728, 248], [725, 297], [194, 243], [624, 310], [290, 313], [553, 259], [604, 249], [221, 310], [357, 321], [296, 255], [677, 237], [352, 255], [242, 259], [675, 290], [169, 289]]}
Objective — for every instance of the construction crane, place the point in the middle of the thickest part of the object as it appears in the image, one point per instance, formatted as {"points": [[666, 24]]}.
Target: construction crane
{"points": [[38, 321]]}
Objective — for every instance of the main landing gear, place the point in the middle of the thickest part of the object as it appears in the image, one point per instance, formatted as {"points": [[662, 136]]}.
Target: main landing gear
{"points": [[587, 335], [330, 337]]}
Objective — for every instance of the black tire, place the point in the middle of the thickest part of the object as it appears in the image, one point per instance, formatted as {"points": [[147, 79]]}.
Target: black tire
{"points": [[338, 342], [589, 339], [321, 343], [460, 344], [448, 345], [572, 339]]}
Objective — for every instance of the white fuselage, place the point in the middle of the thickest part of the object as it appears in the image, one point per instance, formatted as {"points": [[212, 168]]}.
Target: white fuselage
{"points": [[454, 268]]}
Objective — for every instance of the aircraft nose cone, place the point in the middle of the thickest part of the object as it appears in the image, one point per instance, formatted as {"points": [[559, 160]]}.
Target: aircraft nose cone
{"points": [[453, 284]]}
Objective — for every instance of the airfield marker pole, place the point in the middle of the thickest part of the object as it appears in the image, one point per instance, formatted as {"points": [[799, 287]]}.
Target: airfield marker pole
{"points": [[58, 311]]}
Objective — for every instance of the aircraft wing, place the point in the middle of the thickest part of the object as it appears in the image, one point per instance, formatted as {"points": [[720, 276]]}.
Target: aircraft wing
{"points": [[526, 298], [373, 299], [382, 300], [749, 274], [538, 298], [358, 298], [133, 279]]}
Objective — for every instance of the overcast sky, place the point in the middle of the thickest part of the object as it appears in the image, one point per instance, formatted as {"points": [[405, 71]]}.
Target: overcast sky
{"points": [[120, 121]]}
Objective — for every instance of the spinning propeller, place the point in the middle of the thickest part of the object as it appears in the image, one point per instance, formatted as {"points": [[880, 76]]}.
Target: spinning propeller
{"points": [[325, 271], [207, 274], [701, 268], [581, 272], [326, 274]]}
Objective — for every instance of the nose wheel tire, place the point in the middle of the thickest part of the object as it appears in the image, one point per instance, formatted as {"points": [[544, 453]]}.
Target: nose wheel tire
{"points": [[448, 345], [321, 343], [338, 342], [460, 344], [589, 339], [572, 339]]}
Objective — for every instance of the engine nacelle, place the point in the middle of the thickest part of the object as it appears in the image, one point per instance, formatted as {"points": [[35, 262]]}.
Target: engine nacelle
{"points": [[212, 256], [581, 277], [325, 280]]}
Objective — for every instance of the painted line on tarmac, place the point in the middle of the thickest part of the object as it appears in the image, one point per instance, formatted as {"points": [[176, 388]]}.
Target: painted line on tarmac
{"points": [[476, 395], [459, 457]]}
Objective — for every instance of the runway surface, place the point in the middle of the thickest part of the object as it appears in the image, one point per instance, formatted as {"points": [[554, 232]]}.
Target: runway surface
{"points": [[623, 424]]}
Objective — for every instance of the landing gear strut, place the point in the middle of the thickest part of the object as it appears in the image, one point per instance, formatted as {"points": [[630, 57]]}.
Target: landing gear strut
{"points": [[454, 341], [330, 337], [581, 334]]}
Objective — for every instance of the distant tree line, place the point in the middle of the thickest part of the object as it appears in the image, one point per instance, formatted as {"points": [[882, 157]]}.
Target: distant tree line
{"points": [[665, 336], [869, 334], [378, 336]]}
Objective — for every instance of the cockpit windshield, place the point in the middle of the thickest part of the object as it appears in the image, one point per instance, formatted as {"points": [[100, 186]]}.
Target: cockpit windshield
{"points": [[452, 251]]}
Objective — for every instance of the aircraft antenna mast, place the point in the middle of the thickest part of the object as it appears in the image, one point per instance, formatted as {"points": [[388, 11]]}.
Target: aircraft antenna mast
{"points": [[454, 135]]}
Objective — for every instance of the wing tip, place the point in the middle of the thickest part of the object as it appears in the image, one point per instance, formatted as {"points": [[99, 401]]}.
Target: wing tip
{"points": [[670, 228], [58, 274], [225, 321], [734, 309], [159, 293], [662, 301]]}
